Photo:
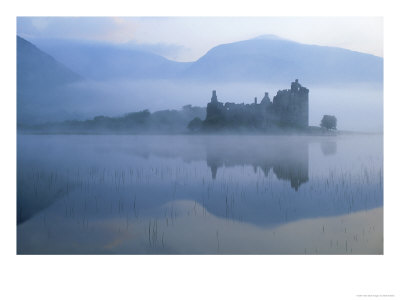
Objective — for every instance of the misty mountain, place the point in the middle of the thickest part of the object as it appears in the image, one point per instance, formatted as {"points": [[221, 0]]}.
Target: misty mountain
{"points": [[342, 83], [271, 59], [40, 78], [264, 59], [101, 61], [37, 68]]}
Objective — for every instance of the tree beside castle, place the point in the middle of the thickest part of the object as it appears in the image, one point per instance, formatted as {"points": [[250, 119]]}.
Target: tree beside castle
{"points": [[328, 122]]}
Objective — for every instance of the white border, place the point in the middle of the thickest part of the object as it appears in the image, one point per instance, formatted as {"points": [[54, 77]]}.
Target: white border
{"points": [[198, 277]]}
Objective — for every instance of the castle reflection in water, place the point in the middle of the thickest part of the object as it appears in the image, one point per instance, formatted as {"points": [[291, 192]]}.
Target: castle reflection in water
{"points": [[285, 161], [285, 158]]}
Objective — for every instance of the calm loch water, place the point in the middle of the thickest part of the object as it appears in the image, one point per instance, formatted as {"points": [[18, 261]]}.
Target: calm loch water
{"points": [[121, 194]]}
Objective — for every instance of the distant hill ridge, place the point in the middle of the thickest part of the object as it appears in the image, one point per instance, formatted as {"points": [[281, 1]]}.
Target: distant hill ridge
{"points": [[35, 67], [271, 59], [266, 58], [102, 61], [39, 80]]}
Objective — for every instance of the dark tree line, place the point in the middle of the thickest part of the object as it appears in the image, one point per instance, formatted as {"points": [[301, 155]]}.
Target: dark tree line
{"points": [[164, 121]]}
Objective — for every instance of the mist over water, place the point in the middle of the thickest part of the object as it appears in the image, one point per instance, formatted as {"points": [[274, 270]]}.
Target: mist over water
{"points": [[200, 194], [358, 107]]}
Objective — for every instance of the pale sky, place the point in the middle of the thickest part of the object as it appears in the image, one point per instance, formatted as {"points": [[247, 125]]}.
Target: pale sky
{"points": [[188, 38]]}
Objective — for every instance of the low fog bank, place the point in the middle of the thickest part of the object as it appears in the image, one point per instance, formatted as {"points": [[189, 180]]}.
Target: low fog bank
{"points": [[357, 107]]}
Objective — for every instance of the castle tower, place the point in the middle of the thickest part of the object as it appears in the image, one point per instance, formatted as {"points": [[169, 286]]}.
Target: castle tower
{"points": [[266, 99], [295, 86], [292, 105], [214, 96], [300, 98], [215, 110]]}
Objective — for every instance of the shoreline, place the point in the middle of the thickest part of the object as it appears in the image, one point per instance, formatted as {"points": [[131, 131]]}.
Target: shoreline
{"points": [[202, 133]]}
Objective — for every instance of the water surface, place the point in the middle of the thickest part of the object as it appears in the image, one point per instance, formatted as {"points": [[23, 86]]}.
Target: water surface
{"points": [[176, 194]]}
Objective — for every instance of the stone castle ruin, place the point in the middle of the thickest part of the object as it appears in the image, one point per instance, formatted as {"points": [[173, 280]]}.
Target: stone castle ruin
{"points": [[289, 108]]}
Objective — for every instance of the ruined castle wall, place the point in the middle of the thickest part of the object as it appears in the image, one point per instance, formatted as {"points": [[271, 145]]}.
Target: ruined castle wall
{"points": [[289, 108]]}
